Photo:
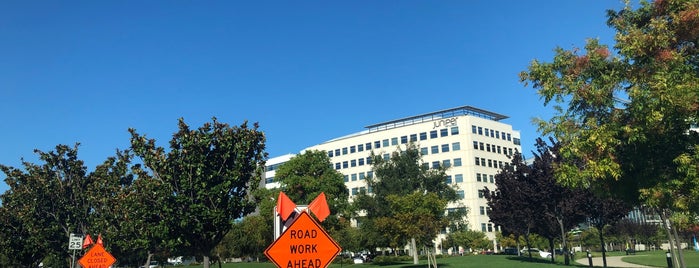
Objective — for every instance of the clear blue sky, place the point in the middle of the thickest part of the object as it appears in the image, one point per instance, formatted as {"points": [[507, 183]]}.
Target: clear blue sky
{"points": [[307, 71]]}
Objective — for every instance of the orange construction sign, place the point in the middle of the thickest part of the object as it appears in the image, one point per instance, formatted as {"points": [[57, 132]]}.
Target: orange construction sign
{"points": [[97, 257], [305, 244]]}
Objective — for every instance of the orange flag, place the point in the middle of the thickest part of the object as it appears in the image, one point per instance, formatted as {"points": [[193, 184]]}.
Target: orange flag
{"points": [[99, 240], [87, 242], [285, 206], [319, 207]]}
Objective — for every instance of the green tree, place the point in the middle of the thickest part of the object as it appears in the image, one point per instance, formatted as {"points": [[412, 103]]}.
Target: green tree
{"points": [[403, 178], [48, 201], [209, 174], [471, 239], [306, 175], [627, 115]]}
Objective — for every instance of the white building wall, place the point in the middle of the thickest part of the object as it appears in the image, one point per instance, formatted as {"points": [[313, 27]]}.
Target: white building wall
{"points": [[468, 137]]}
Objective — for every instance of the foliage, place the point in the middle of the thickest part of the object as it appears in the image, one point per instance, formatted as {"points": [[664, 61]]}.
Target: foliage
{"points": [[474, 240], [407, 200], [208, 174], [45, 203]]}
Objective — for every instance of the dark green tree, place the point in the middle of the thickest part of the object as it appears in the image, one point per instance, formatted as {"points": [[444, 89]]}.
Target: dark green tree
{"points": [[209, 174], [395, 180]]}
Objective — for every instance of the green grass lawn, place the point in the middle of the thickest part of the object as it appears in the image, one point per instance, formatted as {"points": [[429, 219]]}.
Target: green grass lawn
{"points": [[651, 258]]}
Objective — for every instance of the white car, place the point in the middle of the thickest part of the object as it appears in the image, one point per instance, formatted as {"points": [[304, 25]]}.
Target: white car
{"points": [[543, 254]]}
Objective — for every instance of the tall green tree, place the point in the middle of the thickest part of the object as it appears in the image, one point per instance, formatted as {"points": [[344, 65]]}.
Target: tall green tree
{"points": [[209, 174], [403, 178], [50, 202], [628, 114], [306, 175]]}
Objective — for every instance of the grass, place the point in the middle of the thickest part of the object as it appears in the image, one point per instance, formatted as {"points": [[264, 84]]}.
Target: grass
{"points": [[649, 258]]}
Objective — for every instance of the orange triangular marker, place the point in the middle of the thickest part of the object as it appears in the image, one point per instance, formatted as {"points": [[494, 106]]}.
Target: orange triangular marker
{"points": [[99, 240], [285, 206], [87, 242], [319, 207]]}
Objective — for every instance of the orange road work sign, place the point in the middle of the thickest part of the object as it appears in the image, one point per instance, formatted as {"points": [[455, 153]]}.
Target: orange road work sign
{"points": [[97, 257], [305, 244]]}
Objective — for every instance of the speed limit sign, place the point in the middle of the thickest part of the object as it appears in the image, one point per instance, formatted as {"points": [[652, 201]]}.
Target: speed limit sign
{"points": [[75, 242]]}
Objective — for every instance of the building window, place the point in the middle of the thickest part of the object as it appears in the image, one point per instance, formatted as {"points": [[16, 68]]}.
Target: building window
{"points": [[483, 228], [454, 130], [370, 174], [473, 129], [394, 141], [344, 151], [510, 151], [457, 162], [443, 132], [516, 141], [497, 134], [490, 163], [403, 139], [368, 145], [456, 146], [413, 137], [423, 151], [377, 144], [346, 177], [353, 149], [344, 164], [486, 132], [355, 191], [483, 162], [361, 175], [360, 148], [337, 152], [478, 177], [361, 161], [509, 137], [435, 164], [368, 160], [487, 147], [423, 136], [492, 179], [385, 143], [425, 165], [460, 194], [499, 151], [337, 165], [433, 134], [330, 153], [482, 209], [386, 157], [353, 163], [492, 133], [475, 145], [478, 161], [269, 180], [446, 163], [480, 131], [481, 193], [354, 177], [480, 146], [445, 148], [434, 149], [490, 227], [448, 179], [459, 178]]}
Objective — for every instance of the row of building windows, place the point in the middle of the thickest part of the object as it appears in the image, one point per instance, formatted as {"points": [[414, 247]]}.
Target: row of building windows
{"points": [[484, 210], [487, 227], [357, 190], [394, 141], [492, 148], [358, 176], [484, 178], [444, 163], [480, 161], [353, 163], [435, 149], [490, 133]]}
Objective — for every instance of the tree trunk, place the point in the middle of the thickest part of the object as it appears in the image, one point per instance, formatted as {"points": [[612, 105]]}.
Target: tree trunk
{"points": [[604, 248], [566, 257], [665, 217], [680, 255], [206, 261], [551, 247], [414, 247]]}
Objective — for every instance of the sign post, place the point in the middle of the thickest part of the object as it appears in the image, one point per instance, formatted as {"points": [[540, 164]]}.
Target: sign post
{"points": [[74, 243], [305, 244]]}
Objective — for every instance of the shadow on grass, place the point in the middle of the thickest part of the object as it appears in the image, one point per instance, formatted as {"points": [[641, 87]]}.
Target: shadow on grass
{"points": [[526, 259]]}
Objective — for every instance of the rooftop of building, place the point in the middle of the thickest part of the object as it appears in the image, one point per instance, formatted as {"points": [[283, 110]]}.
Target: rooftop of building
{"points": [[463, 110]]}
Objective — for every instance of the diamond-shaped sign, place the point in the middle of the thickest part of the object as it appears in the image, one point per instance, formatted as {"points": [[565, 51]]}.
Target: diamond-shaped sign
{"points": [[97, 257], [305, 244]]}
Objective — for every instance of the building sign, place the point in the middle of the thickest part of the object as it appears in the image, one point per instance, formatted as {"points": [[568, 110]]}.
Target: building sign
{"points": [[305, 244], [447, 122]]}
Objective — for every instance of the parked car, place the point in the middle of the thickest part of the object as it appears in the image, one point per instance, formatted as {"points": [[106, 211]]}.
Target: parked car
{"points": [[153, 264], [543, 254], [509, 251]]}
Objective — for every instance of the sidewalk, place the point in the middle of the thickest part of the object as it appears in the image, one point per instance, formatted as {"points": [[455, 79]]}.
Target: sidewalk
{"points": [[611, 262]]}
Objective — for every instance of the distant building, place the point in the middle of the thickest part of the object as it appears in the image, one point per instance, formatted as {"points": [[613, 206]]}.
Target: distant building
{"points": [[271, 170], [472, 142]]}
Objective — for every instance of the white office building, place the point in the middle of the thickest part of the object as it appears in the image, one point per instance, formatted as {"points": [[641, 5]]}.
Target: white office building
{"points": [[472, 142]]}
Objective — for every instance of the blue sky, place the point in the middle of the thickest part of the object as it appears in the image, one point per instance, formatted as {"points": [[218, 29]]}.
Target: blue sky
{"points": [[307, 71]]}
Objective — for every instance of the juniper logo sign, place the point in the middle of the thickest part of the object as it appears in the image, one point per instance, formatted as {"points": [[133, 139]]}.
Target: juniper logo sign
{"points": [[305, 244]]}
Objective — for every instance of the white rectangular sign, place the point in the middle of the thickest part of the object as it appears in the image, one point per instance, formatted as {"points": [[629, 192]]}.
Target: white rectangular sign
{"points": [[75, 242]]}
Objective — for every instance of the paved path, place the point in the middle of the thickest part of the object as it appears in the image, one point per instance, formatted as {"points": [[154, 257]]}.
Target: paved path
{"points": [[611, 262]]}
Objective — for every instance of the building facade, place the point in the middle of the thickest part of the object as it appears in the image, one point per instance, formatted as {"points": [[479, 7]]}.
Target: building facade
{"points": [[473, 143]]}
